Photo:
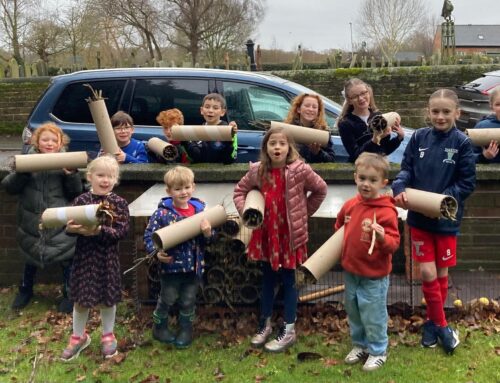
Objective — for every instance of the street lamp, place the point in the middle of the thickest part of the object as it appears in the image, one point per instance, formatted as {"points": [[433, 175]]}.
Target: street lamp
{"points": [[352, 45]]}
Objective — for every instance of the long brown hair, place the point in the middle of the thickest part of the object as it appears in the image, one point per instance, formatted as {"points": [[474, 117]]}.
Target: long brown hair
{"points": [[347, 107], [265, 160], [294, 117]]}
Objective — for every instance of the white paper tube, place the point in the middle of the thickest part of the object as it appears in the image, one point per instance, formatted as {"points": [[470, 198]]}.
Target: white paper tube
{"points": [[303, 135], [483, 137], [103, 126], [326, 256], [178, 232], [59, 216], [162, 148], [253, 210], [49, 161], [431, 204], [202, 133]]}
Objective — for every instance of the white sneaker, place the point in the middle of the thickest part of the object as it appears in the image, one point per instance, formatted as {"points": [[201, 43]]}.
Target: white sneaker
{"points": [[285, 339], [264, 331], [374, 361], [355, 355]]}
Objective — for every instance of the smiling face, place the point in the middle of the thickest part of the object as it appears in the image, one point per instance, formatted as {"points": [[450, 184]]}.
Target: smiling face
{"points": [[123, 134], [49, 142], [212, 111], [359, 97], [277, 149], [308, 111], [181, 194], [443, 113], [369, 181], [102, 180]]}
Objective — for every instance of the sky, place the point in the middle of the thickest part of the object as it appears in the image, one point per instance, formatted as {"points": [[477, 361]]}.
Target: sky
{"points": [[324, 24]]}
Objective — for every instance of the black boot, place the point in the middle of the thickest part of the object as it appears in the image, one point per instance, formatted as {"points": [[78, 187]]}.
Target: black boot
{"points": [[185, 335], [25, 293], [161, 332], [22, 299]]}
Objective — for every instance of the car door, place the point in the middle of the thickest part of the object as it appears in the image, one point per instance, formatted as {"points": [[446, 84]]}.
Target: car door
{"points": [[252, 106]]}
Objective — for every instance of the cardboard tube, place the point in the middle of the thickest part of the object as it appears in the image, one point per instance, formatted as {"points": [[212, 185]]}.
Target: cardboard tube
{"points": [[381, 122], [103, 126], [483, 137], [322, 293], [326, 256], [303, 135], [432, 205], [202, 133], [162, 148], [253, 211], [181, 231], [59, 216], [49, 161]]}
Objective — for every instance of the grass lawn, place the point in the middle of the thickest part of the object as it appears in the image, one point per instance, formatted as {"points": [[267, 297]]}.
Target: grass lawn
{"points": [[33, 339]]}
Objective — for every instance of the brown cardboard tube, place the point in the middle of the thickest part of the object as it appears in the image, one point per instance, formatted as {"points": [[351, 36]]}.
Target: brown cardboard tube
{"points": [[253, 211], [483, 137], [326, 256], [162, 148], [322, 293], [178, 232], [432, 205], [381, 122], [85, 215], [303, 135], [49, 161], [103, 126], [202, 133]]}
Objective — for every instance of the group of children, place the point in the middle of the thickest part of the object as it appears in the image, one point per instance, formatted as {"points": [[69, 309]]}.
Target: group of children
{"points": [[438, 159]]}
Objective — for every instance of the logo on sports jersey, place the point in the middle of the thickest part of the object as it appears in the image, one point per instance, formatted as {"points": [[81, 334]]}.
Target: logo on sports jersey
{"points": [[416, 245], [422, 151], [450, 152], [448, 255]]}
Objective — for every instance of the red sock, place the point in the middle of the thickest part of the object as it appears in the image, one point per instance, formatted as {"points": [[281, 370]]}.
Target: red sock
{"points": [[432, 294], [443, 284]]}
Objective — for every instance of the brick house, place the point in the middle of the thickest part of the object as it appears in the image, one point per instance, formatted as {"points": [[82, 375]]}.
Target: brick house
{"points": [[473, 39]]}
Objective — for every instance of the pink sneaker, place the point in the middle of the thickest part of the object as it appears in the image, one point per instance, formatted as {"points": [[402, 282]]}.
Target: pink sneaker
{"points": [[75, 346], [109, 345]]}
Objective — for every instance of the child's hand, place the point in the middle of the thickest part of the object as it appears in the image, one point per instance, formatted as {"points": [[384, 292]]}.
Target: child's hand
{"points": [[401, 200], [314, 148], [379, 232], [206, 228], [491, 150], [396, 128], [69, 171], [164, 257], [72, 227], [234, 127], [120, 156]]}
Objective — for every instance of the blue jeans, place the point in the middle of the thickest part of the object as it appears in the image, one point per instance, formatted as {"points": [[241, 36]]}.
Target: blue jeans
{"points": [[269, 279], [366, 307], [177, 287]]}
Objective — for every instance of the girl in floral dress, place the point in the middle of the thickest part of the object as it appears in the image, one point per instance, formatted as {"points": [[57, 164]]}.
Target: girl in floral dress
{"points": [[95, 276], [281, 242]]}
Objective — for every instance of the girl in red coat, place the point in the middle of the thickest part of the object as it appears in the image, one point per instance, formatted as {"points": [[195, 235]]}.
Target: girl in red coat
{"points": [[281, 242]]}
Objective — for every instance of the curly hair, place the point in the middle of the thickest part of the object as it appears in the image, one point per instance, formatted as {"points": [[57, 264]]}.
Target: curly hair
{"points": [[52, 128], [168, 118], [294, 117]]}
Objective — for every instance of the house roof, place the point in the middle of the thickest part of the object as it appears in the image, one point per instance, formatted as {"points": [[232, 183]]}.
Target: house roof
{"points": [[477, 35]]}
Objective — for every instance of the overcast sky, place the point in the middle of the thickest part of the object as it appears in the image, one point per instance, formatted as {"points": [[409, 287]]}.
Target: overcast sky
{"points": [[324, 24]]}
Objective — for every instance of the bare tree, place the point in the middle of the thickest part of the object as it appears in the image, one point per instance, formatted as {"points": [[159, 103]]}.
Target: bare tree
{"points": [[388, 23], [15, 21], [45, 38]]}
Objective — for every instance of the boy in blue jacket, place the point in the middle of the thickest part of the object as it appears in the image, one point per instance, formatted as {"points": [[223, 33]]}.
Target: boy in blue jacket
{"points": [[489, 154], [438, 159], [132, 151], [182, 267]]}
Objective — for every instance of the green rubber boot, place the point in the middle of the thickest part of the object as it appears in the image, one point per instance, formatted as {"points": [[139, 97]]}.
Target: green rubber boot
{"points": [[185, 335], [161, 332]]}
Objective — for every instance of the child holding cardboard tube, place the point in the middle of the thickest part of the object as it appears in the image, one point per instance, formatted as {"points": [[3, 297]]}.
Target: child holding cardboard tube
{"points": [[489, 154], [213, 108], [95, 275], [438, 159], [182, 267], [167, 119], [371, 236], [308, 110], [38, 191], [359, 108], [292, 193]]}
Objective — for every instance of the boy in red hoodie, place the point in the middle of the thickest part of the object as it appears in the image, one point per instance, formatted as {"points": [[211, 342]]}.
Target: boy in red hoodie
{"points": [[371, 235]]}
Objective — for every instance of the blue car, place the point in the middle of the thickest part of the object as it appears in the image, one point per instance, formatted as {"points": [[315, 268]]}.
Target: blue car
{"points": [[143, 92]]}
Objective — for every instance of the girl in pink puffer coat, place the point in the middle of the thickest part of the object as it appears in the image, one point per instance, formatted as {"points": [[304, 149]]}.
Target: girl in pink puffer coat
{"points": [[281, 242]]}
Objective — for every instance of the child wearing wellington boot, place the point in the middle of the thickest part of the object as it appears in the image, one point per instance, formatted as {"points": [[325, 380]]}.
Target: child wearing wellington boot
{"points": [[182, 268], [95, 279], [371, 236], [438, 159], [281, 242]]}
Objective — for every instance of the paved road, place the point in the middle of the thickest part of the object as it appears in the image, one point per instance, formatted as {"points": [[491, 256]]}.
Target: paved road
{"points": [[9, 146]]}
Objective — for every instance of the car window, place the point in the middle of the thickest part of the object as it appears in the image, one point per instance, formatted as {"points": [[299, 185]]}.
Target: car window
{"points": [[330, 119], [485, 83], [249, 102], [73, 107], [151, 96]]}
